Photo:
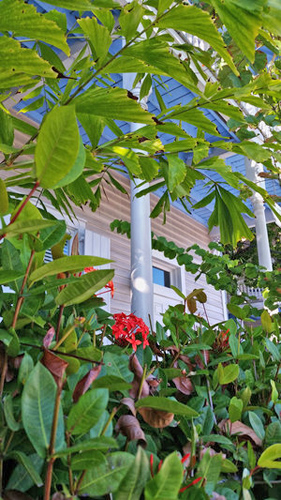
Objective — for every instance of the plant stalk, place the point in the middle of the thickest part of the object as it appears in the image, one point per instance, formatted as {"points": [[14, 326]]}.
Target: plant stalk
{"points": [[49, 472]]}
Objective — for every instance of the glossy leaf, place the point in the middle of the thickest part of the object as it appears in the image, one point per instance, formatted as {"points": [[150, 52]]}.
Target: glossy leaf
{"points": [[86, 413], [166, 484], [98, 36], [106, 477], [195, 21], [57, 146], [228, 374], [26, 226], [112, 103], [133, 483], [77, 168], [26, 462], [38, 401], [85, 288], [24, 20], [21, 65], [20, 478], [102, 443], [72, 263], [165, 404], [270, 458]]}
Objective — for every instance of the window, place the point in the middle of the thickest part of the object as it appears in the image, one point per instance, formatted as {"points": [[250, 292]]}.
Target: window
{"points": [[161, 277]]}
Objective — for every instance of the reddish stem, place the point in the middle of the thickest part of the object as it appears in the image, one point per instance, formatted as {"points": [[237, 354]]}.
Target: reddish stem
{"points": [[49, 472], [14, 218]]}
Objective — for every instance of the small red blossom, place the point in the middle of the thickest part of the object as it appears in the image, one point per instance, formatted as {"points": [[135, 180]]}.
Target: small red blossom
{"points": [[109, 286], [127, 327]]}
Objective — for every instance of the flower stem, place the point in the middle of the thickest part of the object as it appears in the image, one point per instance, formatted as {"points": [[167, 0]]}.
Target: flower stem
{"points": [[49, 472]]}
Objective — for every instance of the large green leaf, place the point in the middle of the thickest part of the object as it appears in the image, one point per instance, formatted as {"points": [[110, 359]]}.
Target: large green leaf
{"points": [[26, 462], [76, 169], [8, 276], [134, 482], [23, 20], [112, 383], [83, 4], [38, 400], [6, 128], [72, 263], [228, 374], [195, 21], [26, 226], [176, 171], [166, 484], [165, 404], [98, 36], [57, 146], [20, 66], [20, 479], [101, 443], [112, 103], [130, 18], [242, 23], [86, 413], [156, 55], [50, 236], [271, 18], [194, 117], [85, 288], [106, 477], [270, 458]]}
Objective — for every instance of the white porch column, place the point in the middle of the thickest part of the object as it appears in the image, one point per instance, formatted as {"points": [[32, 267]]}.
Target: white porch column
{"points": [[264, 256], [141, 251]]}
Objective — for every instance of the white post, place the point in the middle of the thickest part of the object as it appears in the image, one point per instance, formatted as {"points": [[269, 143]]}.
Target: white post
{"points": [[141, 251], [264, 256]]}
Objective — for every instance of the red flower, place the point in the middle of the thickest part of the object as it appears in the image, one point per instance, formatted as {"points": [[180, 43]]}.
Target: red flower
{"points": [[126, 328]]}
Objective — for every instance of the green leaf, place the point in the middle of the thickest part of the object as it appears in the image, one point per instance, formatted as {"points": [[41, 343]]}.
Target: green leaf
{"points": [[273, 349], [86, 287], [165, 404], [50, 236], [87, 460], [112, 103], [176, 171], [166, 484], [7, 276], [106, 477], [21, 66], [195, 21], [23, 20], [242, 23], [6, 127], [269, 456], [101, 443], [217, 438], [266, 320], [137, 476], [50, 55], [130, 19], [83, 5], [38, 400], [26, 367], [9, 414], [20, 478], [271, 18], [26, 226], [194, 117], [228, 467], [235, 409], [257, 424], [77, 168], [112, 383], [87, 411], [72, 263], [209, 469], [228, 374], [57, 146], [26, 462], [99, 38], [117, 366]]}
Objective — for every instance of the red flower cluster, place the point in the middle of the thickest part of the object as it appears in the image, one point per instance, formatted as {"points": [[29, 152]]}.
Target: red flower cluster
{"points": [[126, 328], [109, 285]]}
